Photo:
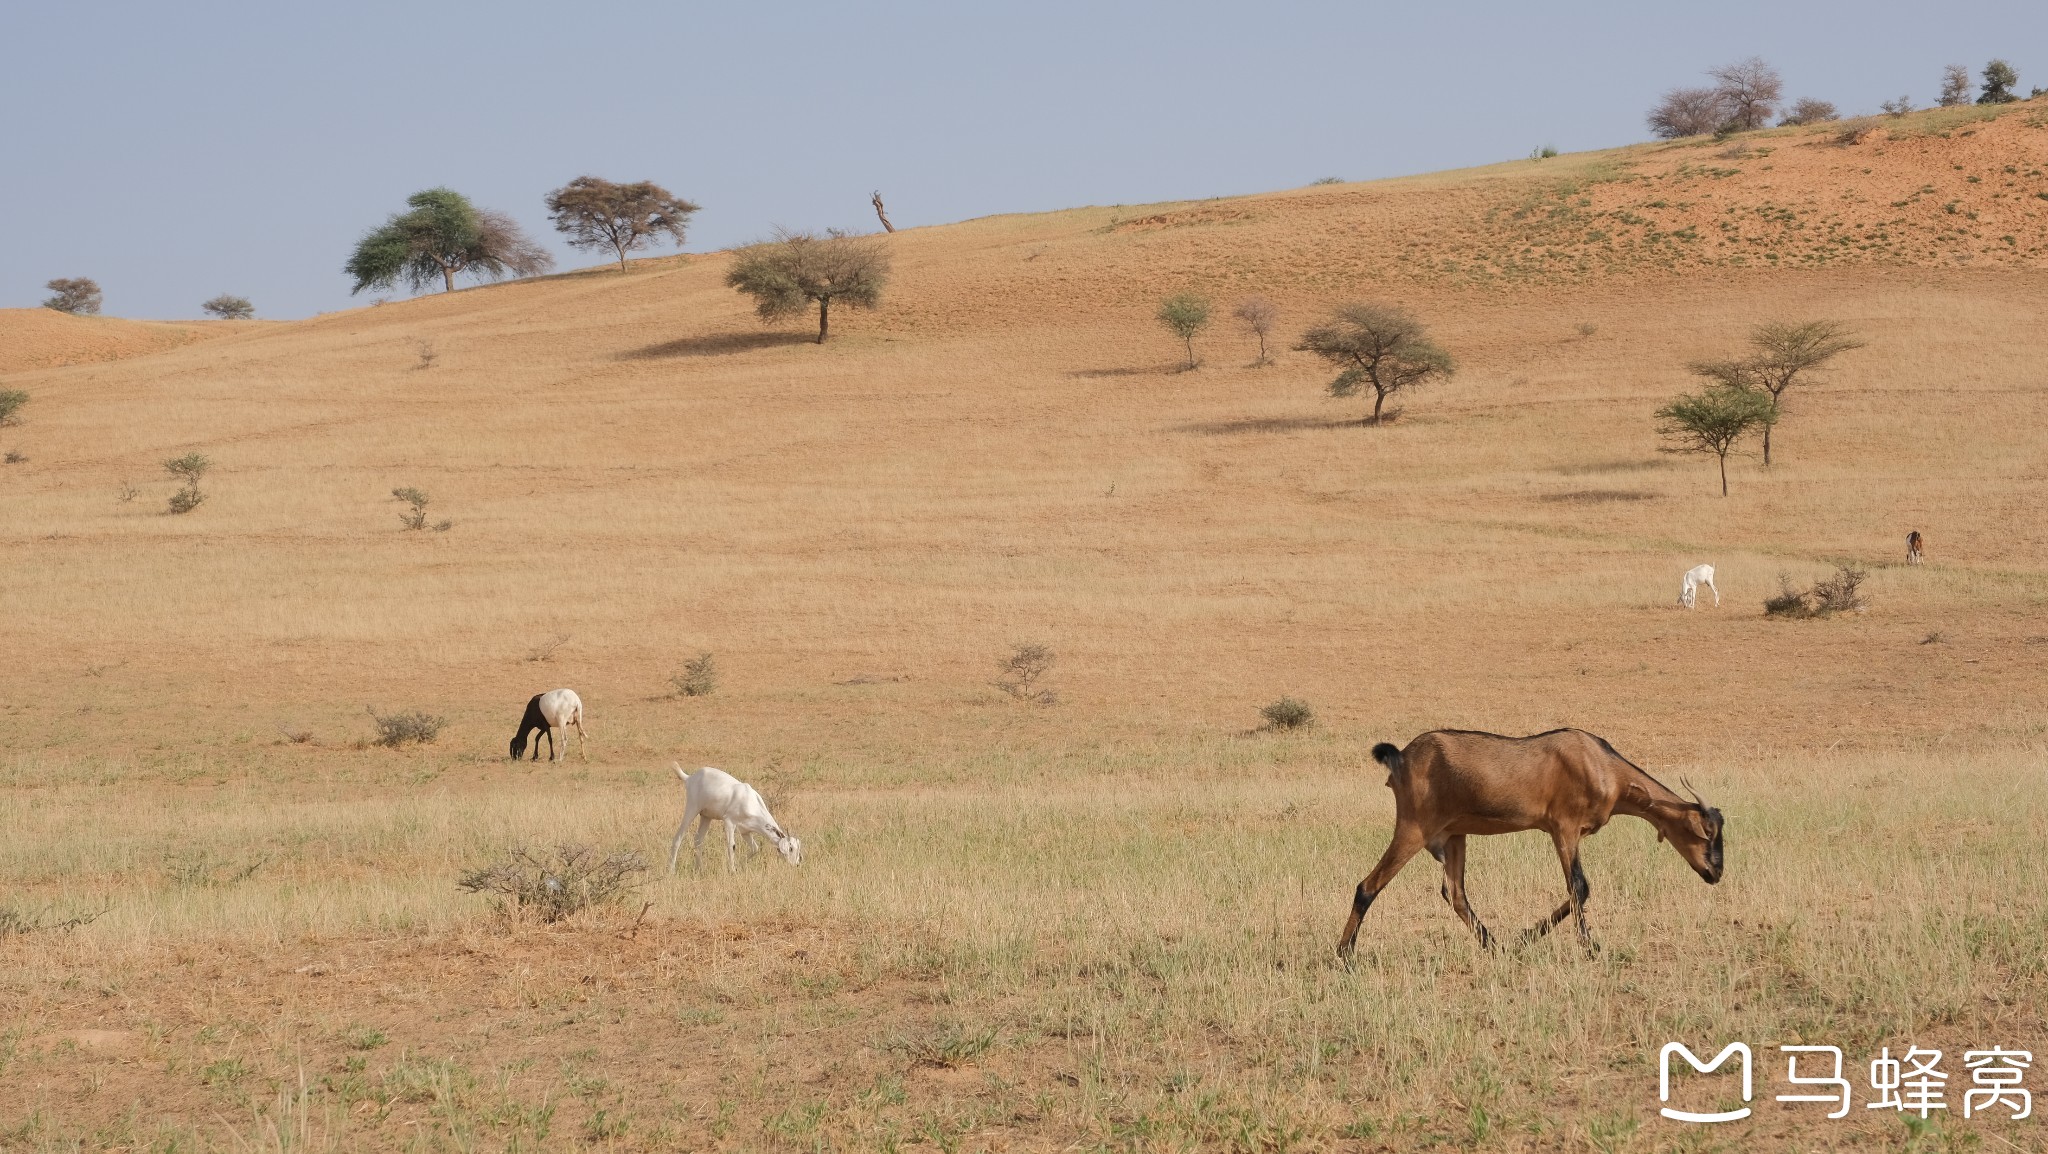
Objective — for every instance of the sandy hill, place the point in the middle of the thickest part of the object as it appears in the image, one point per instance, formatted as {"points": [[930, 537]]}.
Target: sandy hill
{"points": [[47, 339], [1005, 451]]}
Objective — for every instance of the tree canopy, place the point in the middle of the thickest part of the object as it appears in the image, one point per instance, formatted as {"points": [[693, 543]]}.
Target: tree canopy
{"points": [[1999, 80], [1185, 314], [1714, 420], [596, 213], [1377, 346], [440, 235], [230, 308], [79, 296], [1782, 354], [786, 274]]}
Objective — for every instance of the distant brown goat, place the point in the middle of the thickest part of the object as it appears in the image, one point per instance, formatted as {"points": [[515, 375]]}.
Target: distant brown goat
{"points": [[1913, 545], [1452, 782]]}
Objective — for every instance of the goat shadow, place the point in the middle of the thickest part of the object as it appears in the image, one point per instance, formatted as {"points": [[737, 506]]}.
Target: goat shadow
{"points": [[716, 344]]}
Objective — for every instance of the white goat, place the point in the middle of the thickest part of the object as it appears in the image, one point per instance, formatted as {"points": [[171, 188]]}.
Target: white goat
{"points": [[547, 712], [715, 795], [1695, 577]]}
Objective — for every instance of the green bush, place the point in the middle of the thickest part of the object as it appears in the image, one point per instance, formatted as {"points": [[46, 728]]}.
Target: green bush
{"points": [[11, 401], [698, 678], [1288, 713]]}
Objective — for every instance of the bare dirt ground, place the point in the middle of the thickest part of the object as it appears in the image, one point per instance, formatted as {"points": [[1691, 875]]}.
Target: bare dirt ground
{"points": [[1104, 923]]}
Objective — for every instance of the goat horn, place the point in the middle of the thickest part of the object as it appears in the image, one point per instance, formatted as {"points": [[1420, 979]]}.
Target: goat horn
{"points": [[1687, 783]]}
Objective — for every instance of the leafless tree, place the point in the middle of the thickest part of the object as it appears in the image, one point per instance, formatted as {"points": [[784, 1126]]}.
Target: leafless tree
{"points": [[1811, 111], [785, 274], [1899, 107], [882, 213], [596, 213], [1751, 89], [1955, 86], [1688, 112], [1258, 316]]}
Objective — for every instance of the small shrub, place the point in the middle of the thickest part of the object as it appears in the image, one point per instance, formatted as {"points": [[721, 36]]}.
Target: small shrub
{"points": [[296, 736], [11, 401], [554, 886], [184, 501], [202, 870], [1897, 108], [427, 355], [230, 308], [189, 469], [415, 728], [14, 921], [1839, 593], [1326, 180], [1288, 713], [127, 492], [699, 677], [15, 457], [1588, 329], [545, 651], [1021, 670], [1544, 153], [415, 517], [443, 526]]}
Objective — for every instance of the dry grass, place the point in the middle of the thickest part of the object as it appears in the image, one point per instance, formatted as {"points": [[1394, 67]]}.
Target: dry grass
{"points": [[1105, 923]]}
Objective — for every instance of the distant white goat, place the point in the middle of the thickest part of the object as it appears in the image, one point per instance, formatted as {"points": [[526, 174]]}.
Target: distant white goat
{"points": [[1695, 577], [715, 795], [555, 709]]}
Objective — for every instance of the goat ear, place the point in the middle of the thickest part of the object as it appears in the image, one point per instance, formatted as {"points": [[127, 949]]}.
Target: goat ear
{"points": [[1660, 835]]}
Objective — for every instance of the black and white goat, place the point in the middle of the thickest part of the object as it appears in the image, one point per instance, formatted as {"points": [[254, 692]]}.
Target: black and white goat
{"points": [[547, 712]]}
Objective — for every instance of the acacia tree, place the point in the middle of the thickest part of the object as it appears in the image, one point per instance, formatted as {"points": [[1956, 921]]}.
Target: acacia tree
{"points": [[1380, 347], [79, 296], [1783, 355], [1258, 316], [1751, 89], [1810, 111], [443, 234], [1999, 80], [1688, 112], [1185, 314], [785, 274], [596, 213], [1955, 86], [230, 308], [1713, 421]]}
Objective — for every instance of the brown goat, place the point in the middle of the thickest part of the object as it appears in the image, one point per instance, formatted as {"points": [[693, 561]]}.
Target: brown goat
{"points": [[1452, 782]]}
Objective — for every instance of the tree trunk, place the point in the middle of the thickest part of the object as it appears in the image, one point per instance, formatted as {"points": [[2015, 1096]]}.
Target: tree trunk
{"points": [[1190, 338], [883, 213], [824, 311], [1379, 400], [622, 255], [1767, 446], [1724, 474], [448, 275]]}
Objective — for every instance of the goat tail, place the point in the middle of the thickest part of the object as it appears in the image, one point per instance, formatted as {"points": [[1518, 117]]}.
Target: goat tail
{"points": [[1387, 755], [678, 767]]}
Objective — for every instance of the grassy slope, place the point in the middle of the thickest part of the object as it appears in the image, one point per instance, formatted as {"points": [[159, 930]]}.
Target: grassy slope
{"points": [[1004, 453]]}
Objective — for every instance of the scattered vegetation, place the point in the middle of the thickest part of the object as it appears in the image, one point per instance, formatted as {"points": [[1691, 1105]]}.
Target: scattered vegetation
{"points": [[79, 296], [187, 469], [1258, 315], [11, 401], [1326, 180], [230, 308], [1184, 315], [1713, 421], [1543, 153], [545, 651], [14, 922], [1380, 347], [595, 213], [786, 274], [15, 457], [1897, 108], [572, 879], [1288, 713], [1020, 672], [1838, 593], [415, 516], [202, 870], [127, 492], [399, 729], [295, 736], [427, 355], [1810, 111], [443, 234], [698, 677]]}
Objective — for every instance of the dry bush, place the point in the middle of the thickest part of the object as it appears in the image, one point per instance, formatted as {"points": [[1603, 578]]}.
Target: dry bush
{"points": [[545, 651], [1288, 713], [414, 518], [698, 678], [14, 921], [572, 879], [415, 728], [11, 401], [1839, 593], [1021, 670]]}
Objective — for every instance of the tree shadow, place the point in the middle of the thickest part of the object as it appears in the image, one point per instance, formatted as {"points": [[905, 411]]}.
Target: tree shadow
{"points": [[716, 344], [1269, 425]]}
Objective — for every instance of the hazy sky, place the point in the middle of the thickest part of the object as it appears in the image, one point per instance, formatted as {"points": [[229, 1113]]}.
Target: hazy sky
{"points": [[176, 151]]}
